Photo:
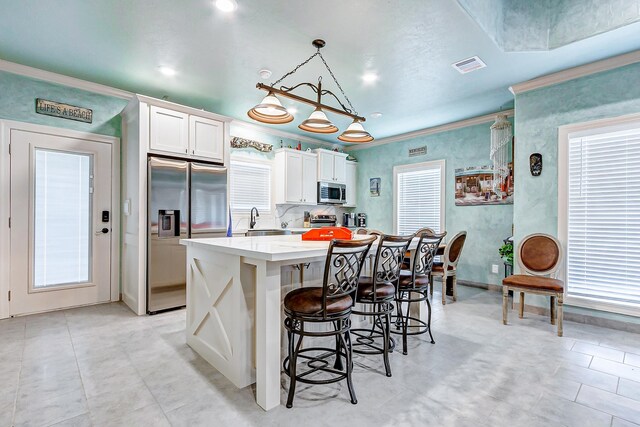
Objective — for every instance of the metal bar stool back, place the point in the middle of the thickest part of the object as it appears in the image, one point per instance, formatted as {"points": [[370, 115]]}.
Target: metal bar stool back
{"points": [[375, 297], [413, 288], [329, 305]]}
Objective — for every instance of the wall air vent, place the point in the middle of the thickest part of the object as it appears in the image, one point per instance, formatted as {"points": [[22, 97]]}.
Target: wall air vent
{"points": [[468, 65]]}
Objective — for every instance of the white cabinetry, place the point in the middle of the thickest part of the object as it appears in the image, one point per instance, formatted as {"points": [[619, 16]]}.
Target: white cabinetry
{"points": [[332, 166], [186, 135], [295, 177], [169, 130], [206, 138], [351, 182]]}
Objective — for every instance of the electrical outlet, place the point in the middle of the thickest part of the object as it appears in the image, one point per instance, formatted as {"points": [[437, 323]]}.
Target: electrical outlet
{"points": [[495, 268]]}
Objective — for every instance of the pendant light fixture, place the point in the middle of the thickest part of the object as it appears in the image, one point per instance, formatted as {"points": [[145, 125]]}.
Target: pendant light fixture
{"points": [[355, 133], [501, 136], [271, 111]]}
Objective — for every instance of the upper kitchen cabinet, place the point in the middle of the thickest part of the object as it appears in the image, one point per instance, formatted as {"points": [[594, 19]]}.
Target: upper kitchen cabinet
{"points": [[352, 187], [169, 130], [332, 166], [295, 177], [206, 138], [181, 131]]}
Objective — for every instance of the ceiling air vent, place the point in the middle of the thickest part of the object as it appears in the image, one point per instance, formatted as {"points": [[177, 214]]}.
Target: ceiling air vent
{"points": [[468, 65]]}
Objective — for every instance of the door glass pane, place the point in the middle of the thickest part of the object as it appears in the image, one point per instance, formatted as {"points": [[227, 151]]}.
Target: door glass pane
{"points": [[62, 218]]}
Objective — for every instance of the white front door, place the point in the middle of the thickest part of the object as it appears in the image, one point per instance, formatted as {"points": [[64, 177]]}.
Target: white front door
{"points": [[60, 238]]}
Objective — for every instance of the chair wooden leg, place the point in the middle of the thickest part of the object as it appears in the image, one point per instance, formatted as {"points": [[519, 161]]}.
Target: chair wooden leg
{"points": [[552, 309], [505, 301], [444, 289], [521, 308], [454, 285], [560, 302]]}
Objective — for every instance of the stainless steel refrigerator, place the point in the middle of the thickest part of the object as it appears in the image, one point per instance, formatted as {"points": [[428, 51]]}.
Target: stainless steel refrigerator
{"points": [[186, 199]]}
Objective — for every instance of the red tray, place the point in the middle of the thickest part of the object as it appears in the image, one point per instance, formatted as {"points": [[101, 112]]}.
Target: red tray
{"points": [[328, 233]]}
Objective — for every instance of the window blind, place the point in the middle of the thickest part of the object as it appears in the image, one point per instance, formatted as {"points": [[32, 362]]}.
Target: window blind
{"points": [[603, 218], [418, 198], [250, 186]]}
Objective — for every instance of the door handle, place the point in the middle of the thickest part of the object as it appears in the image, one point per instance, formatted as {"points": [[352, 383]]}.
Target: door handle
{"points": [[104, 230]]}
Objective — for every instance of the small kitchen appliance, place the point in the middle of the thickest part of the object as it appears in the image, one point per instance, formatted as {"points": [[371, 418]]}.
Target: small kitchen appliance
{"points": [[361, 220]]}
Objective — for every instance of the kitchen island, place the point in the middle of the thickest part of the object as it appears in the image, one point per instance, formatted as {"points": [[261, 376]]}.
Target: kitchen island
{"points": [[234, 305]]}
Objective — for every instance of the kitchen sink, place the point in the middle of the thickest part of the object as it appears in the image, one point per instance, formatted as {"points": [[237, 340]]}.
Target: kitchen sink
{"points": [[268, 232]]}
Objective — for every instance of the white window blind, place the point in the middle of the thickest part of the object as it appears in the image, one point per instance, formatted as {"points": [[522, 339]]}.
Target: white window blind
{"points": [[419, 197], [603, 218], [250, 186]]}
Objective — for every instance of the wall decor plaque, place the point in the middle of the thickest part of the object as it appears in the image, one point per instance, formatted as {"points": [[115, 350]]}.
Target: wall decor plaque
{"points": [[64, 111], [237, 142], [535, 164], [418, 151], [374, 187]]}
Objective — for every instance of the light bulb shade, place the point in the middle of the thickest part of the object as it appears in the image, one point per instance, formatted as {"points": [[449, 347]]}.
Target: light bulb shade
{"points": [[355, 133], [318, 123], [270, 111]]}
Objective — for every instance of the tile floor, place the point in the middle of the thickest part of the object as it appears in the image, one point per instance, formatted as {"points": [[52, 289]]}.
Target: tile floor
{"points": [[103, 366]]}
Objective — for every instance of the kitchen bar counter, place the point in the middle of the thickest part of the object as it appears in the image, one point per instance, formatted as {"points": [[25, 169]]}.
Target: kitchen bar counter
{"points": [[234, 305]]}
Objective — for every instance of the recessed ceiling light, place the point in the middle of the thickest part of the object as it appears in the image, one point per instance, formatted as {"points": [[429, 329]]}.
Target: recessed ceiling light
{"points": [[168, 71], [369, 77], [264, 73], [292, 110], [226, 5], [376, 115]]}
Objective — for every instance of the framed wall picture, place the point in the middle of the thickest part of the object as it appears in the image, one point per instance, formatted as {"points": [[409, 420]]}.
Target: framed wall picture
{"points": [[374, 187], [475, 186]]}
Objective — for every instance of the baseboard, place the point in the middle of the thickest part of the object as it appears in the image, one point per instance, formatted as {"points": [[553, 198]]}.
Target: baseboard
{"points": [[567, 314]]}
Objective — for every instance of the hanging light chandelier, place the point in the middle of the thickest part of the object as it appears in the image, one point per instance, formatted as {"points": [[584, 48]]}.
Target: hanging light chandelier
{"points": [[271, 111], [501, 135]]}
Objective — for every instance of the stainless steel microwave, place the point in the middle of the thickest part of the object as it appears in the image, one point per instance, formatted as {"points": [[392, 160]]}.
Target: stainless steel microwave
{"points": [[330, 193]]}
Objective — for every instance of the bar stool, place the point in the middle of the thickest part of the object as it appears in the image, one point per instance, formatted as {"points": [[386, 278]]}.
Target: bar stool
{"points": [[329, 305], [376, 294], [416, 282]]}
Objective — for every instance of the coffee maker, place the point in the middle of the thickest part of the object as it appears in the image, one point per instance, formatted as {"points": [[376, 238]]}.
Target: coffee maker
{"points": [[349, 219], [361, 220]]}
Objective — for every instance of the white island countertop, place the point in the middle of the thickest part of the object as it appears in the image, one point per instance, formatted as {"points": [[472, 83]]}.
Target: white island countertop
{"points": [[267, 248]]}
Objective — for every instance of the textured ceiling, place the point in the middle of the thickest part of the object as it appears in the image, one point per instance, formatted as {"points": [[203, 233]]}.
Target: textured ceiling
{"points": [[409, 43]]}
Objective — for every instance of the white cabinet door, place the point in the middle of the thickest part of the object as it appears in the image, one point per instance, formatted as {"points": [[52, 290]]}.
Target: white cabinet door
{"points": [[339, 168], [293, 178], [206, 138], [169, 131], [309, 180], [325, 166], [352, 171]]}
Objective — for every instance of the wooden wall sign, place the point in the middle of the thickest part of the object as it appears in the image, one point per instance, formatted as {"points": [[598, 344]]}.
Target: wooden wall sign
{"points": [[418, 151], [65, 111]]}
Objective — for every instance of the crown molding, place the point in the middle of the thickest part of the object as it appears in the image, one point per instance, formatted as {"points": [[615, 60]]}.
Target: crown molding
{"points": [[432, 130], [36, 73], [281, 133], [576, 72]]}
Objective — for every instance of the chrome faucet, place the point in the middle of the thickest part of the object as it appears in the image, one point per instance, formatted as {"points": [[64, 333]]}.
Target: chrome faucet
{"points": [[252, 222]]}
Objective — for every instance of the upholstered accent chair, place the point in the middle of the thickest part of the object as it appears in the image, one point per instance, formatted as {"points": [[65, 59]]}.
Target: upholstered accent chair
{"points": [[539, 258]]}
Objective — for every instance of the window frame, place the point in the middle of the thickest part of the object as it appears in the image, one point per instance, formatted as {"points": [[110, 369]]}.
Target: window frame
{"points": [[398, 169], [565, 133]]}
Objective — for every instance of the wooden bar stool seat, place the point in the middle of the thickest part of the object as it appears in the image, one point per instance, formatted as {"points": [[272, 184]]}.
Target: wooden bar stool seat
{"points": [[539, 256]]}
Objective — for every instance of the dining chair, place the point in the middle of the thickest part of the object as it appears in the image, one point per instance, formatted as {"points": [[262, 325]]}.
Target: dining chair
{"points": [[406, 265], [539, 258], [329, 305], [449, 266], [375, 297], [413, 288]]}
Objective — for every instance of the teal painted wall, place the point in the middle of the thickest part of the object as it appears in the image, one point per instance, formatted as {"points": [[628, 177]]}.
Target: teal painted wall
{"points": [[18, 102], [539, 113], [486, 225]]}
